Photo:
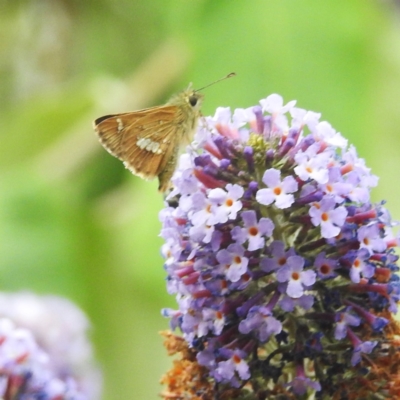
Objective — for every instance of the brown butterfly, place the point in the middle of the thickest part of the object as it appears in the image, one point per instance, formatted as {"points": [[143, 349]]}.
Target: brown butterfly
{"points": [[148, 140]]}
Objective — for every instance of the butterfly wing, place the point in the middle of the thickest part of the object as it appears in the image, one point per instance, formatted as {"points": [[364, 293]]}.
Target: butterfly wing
{"points": [[109, 129], [149, 143], [144, 140]]}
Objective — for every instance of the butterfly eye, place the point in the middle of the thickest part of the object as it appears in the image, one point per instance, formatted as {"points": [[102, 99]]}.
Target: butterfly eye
{"points": [[193, 100]]}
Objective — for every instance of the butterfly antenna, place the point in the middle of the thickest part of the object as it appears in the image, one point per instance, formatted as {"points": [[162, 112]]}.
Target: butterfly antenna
{"points": [[218, 80]]}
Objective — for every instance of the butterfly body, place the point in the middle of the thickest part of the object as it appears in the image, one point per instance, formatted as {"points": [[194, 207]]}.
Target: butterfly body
{"points": [[148, 141]]}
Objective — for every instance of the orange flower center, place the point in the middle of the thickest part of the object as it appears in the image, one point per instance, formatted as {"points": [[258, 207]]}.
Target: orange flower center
{"points": [[253, 231], [236, 359], [277, 191], [282, 261], [229, 202], [325, 269], [295, 276]]}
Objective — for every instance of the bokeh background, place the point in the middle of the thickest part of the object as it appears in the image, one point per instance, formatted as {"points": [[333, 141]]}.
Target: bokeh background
{"points": [[74, 222]]}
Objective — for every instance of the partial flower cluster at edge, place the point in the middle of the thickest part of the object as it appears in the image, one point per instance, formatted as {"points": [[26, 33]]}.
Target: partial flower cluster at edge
{"points": [[283, 270], [45, 353]]}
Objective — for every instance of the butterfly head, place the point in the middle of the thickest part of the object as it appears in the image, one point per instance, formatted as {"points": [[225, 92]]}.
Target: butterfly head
{"points": [[190, 99], [194, 99]]}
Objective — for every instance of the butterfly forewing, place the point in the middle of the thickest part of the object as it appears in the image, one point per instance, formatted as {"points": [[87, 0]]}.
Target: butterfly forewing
{"points": [[148, 142], [109, 129], [142, 139]]}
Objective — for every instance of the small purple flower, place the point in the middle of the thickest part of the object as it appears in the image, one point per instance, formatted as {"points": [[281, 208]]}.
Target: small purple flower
{"points": [[343, 320], [225, 370], [301, 383], [325, 132], [369, 238], [359, 347], [212, 320], [254, 231], [329, 217], [278, 191], [202, 233], [337, 187], [297, 279], [313, 165], [274, 105], [364, 347], [360, 266], [259, 319], [288, 303], [206, 357], [325, 266], [279, 257], [201, 210], [233, 261], [228, 203]]}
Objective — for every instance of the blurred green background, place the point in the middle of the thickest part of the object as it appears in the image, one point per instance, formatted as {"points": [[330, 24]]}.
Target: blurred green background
{"points": [[74, 222]]}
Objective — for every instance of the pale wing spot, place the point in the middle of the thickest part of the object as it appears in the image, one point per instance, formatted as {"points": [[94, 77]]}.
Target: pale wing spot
{"points": [[143, 143], [146, 142], [120, 125], [149, 145], [155, 147]]}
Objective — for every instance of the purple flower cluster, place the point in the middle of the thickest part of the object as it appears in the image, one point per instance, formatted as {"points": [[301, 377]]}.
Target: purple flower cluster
{"points": [[44, 351], [26, 371], [283, 269]]}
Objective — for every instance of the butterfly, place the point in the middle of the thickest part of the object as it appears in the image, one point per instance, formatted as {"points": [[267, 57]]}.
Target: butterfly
{"points": [[148, 141]]}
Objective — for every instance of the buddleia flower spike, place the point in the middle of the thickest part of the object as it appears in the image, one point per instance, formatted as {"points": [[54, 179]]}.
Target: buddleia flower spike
{"points": [[283, 269]]}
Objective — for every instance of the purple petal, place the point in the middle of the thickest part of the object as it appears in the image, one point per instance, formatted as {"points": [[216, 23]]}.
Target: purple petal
{"points": [[283, 274], [284, 201], [295, 288], [266, 226], [289, 184], [308, 277], [338, 216], [224, 257], [235, 191], [272, 177], [265, 196], [238, 234], [249, 217], [295, 263]]}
